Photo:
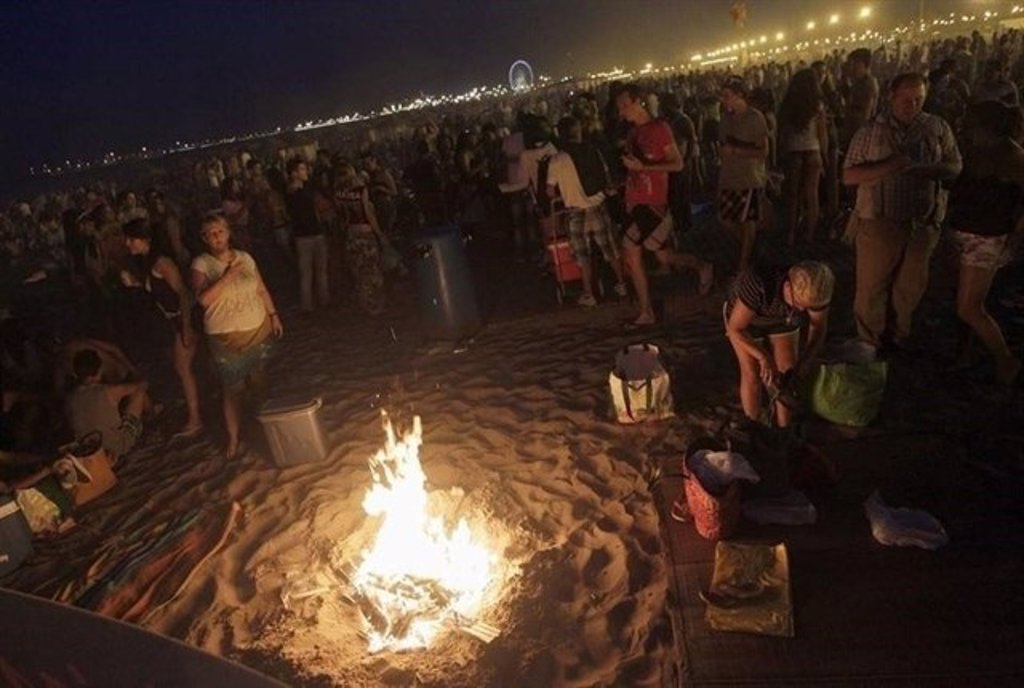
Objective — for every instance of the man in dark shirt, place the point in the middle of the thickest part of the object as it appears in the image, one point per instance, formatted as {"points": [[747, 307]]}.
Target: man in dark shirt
{"points": [[680, 184], [996, 85], [863, 100], [310, 242]]}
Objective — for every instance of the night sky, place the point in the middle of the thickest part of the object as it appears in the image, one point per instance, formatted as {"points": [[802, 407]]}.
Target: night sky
{"points": [[83, 78]]}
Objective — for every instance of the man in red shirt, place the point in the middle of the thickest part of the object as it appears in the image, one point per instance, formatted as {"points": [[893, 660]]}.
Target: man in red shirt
{"points": [[651, 154]]}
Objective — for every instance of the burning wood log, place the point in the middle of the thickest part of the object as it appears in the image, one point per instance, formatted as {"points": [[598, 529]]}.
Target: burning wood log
{"points": [[419, 574], [484, 632], [374, 617]]}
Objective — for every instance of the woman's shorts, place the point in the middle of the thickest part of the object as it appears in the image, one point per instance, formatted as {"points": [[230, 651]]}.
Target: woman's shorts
{"points": [[985, 252], [128, 433]]}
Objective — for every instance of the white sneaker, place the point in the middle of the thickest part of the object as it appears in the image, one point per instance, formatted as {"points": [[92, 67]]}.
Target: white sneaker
{"points": [[620, 290], [586, 300]]}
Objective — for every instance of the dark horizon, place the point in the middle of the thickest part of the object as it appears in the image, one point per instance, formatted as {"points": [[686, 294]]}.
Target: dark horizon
{"points": [[84, 80]]}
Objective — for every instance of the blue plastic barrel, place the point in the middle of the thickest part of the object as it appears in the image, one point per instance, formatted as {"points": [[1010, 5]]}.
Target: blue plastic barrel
{"points": [[448, 307]]}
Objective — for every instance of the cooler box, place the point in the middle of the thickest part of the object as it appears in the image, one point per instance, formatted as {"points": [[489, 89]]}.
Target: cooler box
{"points": [[563, 263], [15, 536], [294, 432], [448, 306]]}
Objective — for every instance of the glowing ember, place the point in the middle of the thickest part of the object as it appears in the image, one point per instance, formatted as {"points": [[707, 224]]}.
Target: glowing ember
{"points": [[417, 577]]}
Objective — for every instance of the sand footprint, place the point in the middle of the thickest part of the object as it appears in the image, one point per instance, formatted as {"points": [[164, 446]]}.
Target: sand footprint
{"points": [[606, 569]]}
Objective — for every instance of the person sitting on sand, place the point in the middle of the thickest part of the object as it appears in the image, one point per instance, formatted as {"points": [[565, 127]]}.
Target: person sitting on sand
{"points": [[113, 410], [115, 366], [764, 313]]}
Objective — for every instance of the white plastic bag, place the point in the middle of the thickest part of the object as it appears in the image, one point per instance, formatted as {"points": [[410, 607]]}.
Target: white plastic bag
{"points": [[903, 527], [716, 470]]}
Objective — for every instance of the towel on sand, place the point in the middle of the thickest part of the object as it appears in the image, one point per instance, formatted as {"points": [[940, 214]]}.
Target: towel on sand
{"points": [[139, 576]]}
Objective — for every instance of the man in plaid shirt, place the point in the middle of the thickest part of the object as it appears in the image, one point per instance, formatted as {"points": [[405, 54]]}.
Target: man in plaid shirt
{"points": [[897, 162]]}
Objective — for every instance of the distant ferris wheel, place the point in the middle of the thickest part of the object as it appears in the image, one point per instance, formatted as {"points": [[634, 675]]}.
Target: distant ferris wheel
{"points": [[520, 76]]}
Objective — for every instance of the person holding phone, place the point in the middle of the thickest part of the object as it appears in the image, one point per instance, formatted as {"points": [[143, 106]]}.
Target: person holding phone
{"points": [[898, 162], [239, 317]]}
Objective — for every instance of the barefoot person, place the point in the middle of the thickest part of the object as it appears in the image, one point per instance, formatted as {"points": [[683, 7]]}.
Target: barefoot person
{"points": [[158, 274], [764, 314], [239, 315], [651, 154]]}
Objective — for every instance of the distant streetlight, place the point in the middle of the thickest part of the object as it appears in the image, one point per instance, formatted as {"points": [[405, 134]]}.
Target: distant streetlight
{"points": [[865, 12], [764, 39], [810, 26], [834, 19], [779, 36]]}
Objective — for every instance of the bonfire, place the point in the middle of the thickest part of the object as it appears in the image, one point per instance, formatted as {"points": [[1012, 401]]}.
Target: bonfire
{"points": [[419, 576]]}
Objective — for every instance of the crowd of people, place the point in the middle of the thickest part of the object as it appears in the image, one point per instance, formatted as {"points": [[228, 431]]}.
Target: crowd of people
{"points": [[106, 283]]}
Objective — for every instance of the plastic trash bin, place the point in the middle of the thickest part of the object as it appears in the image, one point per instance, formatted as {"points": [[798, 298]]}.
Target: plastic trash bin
{"points": [[15, 536], [294, 431], [447, 299]]}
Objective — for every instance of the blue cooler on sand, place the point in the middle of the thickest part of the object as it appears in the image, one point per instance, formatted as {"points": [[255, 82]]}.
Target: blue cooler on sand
{"points": [[448, 307], [15, 536], [294, 432]]}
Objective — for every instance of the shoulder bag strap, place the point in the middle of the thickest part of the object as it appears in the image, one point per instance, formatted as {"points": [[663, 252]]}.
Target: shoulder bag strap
{"points": [[625, 399]]}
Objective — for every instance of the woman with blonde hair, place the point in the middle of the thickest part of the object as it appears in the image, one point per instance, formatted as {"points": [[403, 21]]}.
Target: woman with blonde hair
{"points": [[765, 313], [239, 316]]}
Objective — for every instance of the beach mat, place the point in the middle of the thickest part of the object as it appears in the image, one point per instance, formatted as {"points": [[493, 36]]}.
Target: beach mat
{"points": [[864, 613], [49, 644]]}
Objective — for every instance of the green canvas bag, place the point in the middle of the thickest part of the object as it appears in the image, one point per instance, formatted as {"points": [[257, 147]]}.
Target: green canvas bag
{"points": [[848, 393]]}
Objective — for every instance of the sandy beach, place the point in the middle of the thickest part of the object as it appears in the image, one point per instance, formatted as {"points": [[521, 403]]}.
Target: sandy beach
{"points": [[516, 438]]}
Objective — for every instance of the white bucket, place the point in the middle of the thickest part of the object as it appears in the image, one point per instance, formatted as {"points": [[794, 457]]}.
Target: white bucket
{"points": [[294, 431]]}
